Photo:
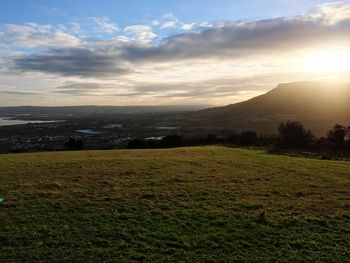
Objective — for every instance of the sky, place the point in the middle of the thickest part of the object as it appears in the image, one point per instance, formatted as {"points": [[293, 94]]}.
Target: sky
{"points": [[157, 52]]}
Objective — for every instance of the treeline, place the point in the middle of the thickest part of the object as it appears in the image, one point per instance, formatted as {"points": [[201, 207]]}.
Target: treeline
{"points": [[166, 142], [291, 135], [248, 138]]}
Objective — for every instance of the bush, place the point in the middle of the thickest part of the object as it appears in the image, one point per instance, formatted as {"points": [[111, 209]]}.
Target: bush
{"points": [[294, 135]]}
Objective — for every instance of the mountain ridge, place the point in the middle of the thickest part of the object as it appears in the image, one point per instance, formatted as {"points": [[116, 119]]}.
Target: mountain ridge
{"points": [[317, 104]]}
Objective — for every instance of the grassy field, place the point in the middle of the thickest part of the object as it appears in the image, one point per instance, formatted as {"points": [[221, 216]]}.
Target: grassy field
{"points": [[201, 204]]}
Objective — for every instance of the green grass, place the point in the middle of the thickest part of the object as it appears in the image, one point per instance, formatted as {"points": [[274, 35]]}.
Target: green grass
{"points": [[200, 204]]}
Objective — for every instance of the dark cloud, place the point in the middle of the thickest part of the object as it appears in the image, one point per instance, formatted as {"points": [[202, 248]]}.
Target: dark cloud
{"points": [[242, 39], [73, 62]]}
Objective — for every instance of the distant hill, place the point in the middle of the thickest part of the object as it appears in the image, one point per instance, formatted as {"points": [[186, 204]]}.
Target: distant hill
{"points": [[95, 110], [317, 104]]}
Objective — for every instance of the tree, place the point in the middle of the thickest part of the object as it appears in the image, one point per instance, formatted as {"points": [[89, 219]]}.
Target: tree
{"points": [[136, 144], [211, 138], [74, 144], [248, 138], [233, 138], [336, 135], [171, 141], [294, 135]]}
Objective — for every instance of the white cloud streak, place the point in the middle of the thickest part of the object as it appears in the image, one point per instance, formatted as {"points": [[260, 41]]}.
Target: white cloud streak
{"points": [[104, 25], [32, 35], [168, 25], [140, 32]]}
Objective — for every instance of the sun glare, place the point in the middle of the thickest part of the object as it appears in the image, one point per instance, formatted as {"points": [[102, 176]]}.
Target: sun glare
{"points": [[331, 61]]}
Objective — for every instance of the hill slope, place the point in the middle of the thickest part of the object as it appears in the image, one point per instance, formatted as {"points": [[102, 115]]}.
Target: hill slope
{"points": [[187, 204], [319, 105]]}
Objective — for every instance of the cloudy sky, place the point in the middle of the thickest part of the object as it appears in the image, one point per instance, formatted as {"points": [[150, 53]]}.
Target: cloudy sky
{"points": [[156, 52]]}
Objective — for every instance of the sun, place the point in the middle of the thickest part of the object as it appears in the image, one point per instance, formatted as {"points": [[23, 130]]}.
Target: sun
{"points": [[328, 61]]}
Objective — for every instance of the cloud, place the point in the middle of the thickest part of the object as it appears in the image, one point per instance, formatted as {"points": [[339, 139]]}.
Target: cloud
{"points": [[10, 90], [19, 92], [80, 89], [217, 87], [104, 25], [187, 26], [53, 11], [213, 62], [73, 62], [170, 21], [245, 39], [232, 41], [3, 64], [155, 22], [171, 17], [168, 25], [140, 32], [79, 86], [332, 13], [75, 29], [94, 89], [228, 87], [32, 35], [205, 25], [137, 28]]}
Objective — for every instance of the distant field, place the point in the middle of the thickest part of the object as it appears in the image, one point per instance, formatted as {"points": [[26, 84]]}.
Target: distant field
{"points": [[201, 204]]}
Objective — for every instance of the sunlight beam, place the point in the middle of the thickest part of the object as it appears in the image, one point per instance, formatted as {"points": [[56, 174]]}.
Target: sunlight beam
{"points": [[328, 61]]}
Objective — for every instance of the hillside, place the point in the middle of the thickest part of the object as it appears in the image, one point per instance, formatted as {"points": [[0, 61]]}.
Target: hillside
{"points": [[186, 204], [318, 104]]}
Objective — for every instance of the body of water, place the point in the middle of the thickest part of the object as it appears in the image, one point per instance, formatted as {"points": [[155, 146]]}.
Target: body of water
{"points": [[8, 122]]}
